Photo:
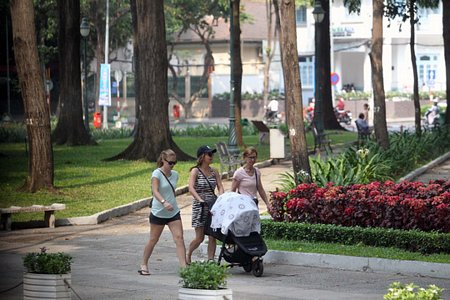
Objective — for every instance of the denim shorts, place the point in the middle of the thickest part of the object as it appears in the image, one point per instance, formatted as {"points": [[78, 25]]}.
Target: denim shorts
{"points": [[163, 221]]}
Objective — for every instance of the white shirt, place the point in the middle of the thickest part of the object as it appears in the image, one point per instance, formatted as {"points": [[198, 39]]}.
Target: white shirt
{"points": [[273, 105]]}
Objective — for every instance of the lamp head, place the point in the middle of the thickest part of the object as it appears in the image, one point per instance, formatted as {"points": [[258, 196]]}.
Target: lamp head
{"points": [[84, 28], [318, 12]]}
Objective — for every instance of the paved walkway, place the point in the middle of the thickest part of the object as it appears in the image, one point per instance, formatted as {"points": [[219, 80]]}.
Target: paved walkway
{"points": [[107, 256]]}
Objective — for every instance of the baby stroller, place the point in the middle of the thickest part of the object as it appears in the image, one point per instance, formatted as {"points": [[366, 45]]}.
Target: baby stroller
{"points": [[235, 222]]}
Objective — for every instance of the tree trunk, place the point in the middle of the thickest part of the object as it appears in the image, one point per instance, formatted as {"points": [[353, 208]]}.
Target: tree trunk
{"points": [[70, 128], [293, 88], [412, 42], [376, 60], [329, 117], [269, 51], [446, 35], [152, 134], [37, 112], [237, 61]]}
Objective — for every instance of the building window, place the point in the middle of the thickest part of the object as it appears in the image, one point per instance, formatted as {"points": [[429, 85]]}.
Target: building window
{"points": [[300, 16], [306, 71], [427, 69]]}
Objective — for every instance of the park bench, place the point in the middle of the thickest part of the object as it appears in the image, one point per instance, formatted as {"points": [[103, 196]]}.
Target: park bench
{"points": [[227, 161], [363, 136], [321, 141], [263, 131], [49, 210]]}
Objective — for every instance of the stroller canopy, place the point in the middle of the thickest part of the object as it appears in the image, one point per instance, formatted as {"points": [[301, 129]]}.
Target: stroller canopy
{"points": [[235, 212]]}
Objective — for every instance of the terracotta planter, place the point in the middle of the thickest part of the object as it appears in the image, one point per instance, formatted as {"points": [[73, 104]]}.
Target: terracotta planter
{"points": [[198, 294], [46, 286]]}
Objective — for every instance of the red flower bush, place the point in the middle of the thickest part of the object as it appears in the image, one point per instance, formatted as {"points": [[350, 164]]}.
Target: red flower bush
{"points": [[405, 205]]}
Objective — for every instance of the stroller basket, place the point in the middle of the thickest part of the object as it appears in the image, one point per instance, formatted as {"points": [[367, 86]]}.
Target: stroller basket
{"points": [[245, 252]]}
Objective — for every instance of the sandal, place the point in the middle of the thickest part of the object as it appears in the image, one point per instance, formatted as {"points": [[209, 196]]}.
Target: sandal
{"points": [[144, 271]]}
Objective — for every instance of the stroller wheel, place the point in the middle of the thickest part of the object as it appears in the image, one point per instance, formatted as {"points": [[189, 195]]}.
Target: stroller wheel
{"points": [[257, 268], [248, 267]]}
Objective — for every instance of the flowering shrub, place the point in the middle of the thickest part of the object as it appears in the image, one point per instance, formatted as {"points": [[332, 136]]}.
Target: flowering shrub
{"points": [[399, 291], [405, 205]]}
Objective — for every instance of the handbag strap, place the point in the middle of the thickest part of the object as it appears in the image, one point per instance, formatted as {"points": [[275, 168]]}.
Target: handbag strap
{"points": [[168, 182], [209, 183]]}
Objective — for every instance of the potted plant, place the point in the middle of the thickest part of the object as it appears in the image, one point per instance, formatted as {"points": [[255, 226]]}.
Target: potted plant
{"points": [[204, 280], [47, 276]]}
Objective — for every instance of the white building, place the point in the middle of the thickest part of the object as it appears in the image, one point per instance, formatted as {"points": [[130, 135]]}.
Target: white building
{"points": [[350, 46]]}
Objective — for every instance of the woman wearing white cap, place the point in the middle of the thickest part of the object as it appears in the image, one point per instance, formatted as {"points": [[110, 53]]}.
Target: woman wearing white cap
{"points": [[203, 180]]}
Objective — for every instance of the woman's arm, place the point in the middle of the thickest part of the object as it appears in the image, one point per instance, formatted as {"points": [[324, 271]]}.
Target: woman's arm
{"points": [[192, 178], [234, 185], [262, 192]]}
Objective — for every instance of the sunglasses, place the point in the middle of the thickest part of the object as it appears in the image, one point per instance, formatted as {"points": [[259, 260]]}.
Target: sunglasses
{"points": [[171, 163], [251, 157]]}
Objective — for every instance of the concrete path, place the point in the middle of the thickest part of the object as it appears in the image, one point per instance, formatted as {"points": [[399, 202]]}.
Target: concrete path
{"points": [[107, 257]]}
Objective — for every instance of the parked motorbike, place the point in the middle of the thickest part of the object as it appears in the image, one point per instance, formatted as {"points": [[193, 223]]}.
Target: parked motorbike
{"points": [[344, 116]]}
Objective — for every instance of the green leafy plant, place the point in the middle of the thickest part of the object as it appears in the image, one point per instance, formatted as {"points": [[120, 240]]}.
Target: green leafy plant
{"points": [[47, 263], [399, 291], [207, 275]]}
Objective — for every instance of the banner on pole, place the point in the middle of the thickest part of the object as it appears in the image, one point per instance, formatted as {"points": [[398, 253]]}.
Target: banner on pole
{"points": [[105, 85]]}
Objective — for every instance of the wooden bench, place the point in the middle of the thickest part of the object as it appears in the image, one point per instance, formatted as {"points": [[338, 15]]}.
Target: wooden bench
{"points": [[263, 131], [320, 140], [49, 210]]}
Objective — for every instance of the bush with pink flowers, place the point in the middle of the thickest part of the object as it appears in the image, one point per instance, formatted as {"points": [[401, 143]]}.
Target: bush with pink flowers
{"points": [[405, 205]]}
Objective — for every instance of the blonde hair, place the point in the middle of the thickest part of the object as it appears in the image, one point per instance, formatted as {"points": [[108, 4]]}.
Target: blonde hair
{"points": [[164, 155], [248, 151]]}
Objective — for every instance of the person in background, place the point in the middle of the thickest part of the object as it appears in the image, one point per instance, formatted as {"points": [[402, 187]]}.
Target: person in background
{"points": [[366, 112], [247, 179], [362, 124], [164, 210], [272, 109], [203, 180], [432, 114], [340, 106]]}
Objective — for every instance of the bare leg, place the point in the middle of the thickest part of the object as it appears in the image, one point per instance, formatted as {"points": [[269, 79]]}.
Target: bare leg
{"points": [[199, 237], [176, 227], [155, 233], [211, 248]]}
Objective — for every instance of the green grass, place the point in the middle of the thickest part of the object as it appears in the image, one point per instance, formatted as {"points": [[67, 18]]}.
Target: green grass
{"points": [[354, 250], [88, 185]]}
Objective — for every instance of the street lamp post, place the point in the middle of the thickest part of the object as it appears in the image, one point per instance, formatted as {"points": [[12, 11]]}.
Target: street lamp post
{"points": [[318, 14], [84, 31], [232, 140]]}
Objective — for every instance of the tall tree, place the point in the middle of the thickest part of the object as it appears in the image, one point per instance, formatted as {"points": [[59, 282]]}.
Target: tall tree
{"points": [[237, 69], [152, 133], [446, 36], [70, 129], [269, 51], [376, 60], [408, 10], [329, 117], [37, 113], [119, 30], [199, 18], [412, 8], [293, 88]]}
